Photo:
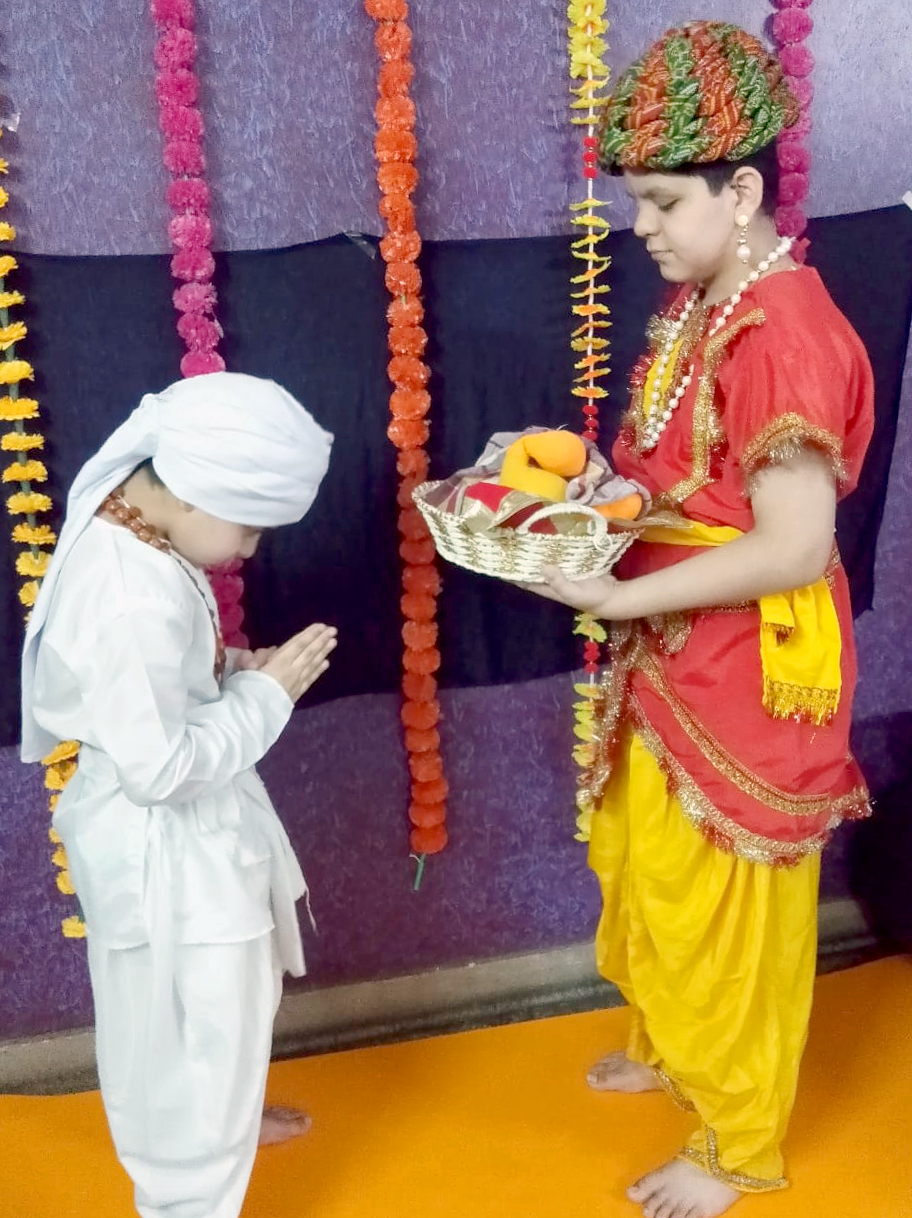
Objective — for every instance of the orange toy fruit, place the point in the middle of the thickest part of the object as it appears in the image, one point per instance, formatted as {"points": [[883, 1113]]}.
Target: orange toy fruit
{"points": [[627, 508], [559, 452]]}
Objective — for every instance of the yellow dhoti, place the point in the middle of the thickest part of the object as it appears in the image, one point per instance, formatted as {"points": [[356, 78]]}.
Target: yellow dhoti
{"points": [[716, 956]]}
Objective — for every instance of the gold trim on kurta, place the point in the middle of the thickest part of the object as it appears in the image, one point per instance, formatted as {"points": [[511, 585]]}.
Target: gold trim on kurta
{"points": [[784, 438], [625, 643], [707, 430], [671, 630], [632, 418], [659, 330], [722, 761], [786, 701], [706, 818]]}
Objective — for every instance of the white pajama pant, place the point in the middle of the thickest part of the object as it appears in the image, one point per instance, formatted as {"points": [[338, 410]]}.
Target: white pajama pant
{"points": [[184, 1100]]}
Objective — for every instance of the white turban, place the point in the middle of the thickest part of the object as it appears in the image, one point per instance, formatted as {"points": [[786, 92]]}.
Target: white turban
{"points": [[238, 447]]}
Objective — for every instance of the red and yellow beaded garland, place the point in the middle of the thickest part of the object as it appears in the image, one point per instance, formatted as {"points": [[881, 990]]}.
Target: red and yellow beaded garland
{"points": [[587, 26], [395, 147]]}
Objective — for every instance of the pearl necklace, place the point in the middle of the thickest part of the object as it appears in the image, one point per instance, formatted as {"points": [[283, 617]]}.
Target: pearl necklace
{"points": [[657, 418]]}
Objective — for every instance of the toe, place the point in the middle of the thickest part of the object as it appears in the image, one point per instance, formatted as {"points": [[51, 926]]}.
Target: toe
{"points": [[650, 1195], [281, 1124], [639, 1191], [599, 1073], [282, 1112]]}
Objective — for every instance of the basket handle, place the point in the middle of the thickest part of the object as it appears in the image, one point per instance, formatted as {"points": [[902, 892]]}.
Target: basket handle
{"points": [[599, 534]]}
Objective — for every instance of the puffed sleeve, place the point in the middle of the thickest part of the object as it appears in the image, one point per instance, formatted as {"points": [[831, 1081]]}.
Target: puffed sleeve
{"points": [[793, 382], [165, 746]]}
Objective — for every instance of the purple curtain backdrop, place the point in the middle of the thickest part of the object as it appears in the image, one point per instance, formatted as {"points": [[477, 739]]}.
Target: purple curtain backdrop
{"points": [[883, 704], [514, 879], [288, 98]]}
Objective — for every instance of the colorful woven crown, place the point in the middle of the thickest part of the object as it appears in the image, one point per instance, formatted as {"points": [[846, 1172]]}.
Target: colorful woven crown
{"points": [[705, 92]]}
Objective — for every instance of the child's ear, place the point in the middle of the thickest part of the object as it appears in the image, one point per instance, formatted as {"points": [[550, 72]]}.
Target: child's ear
{"points": [[748, 184]]}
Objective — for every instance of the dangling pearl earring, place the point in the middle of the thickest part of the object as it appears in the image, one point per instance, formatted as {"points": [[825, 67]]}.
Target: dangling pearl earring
{"points": [[743, 252]]}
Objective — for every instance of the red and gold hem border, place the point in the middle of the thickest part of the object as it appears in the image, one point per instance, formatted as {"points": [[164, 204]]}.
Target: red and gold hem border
{"points": [[717, 828], [615, 703]]}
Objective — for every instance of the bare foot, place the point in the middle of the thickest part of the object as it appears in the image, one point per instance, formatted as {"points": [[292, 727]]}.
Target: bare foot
{"points": [[682, 1190], [617, 1072], [281, 1124]]}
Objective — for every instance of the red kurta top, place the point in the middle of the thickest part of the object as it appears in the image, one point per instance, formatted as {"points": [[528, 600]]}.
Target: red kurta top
{"points": [[786, 370]]}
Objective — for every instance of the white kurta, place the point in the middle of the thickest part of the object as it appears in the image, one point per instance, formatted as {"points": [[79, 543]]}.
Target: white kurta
{"points": [[169, 832], [185, 875]]}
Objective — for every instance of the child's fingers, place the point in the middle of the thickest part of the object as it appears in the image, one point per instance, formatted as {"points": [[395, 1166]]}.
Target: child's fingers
{"points": [[306, 676], [539, 589], [313, 636], [310, 669], [311, 675], [315, 649], [311, 659], [543, 590], [302, 659], [558, 582]]}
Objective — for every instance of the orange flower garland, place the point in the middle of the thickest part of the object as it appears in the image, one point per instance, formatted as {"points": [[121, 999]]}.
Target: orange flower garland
{"points": [[37, 537], [395, 147]]}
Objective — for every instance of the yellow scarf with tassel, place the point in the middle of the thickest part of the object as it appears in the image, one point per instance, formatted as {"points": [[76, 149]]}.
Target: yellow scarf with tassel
{"points": [[800, 640]]}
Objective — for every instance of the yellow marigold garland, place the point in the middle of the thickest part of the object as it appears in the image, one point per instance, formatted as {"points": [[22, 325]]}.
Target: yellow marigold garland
{"points": [[16, 409], [27, 503], [16, 332], [32, 561], [587, 26], [34, 534], [21, 442], [24, 470]]}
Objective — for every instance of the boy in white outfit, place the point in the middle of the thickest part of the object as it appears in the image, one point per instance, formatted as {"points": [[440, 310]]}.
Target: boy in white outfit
{"points": [[186, 878]]}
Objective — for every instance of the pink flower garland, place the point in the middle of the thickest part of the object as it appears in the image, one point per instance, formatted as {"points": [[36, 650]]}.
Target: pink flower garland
{"points": [[791, 26], [190, 230]]}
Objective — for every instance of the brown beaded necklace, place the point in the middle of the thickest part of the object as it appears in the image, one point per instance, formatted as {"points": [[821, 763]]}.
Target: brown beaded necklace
{"points": [[131, 518]]}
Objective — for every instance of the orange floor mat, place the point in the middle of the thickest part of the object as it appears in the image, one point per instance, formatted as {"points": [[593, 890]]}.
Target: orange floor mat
{"points": [[499, 1123]]}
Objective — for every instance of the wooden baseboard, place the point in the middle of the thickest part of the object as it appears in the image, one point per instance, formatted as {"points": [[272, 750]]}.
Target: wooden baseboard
{"points": [[503, 990]]}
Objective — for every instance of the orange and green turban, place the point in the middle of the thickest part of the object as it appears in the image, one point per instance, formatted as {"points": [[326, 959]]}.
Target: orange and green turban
{"points": [[707, 91]]}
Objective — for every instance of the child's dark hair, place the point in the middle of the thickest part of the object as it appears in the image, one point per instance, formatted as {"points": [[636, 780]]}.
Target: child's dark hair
{"points": [[717, 174]]}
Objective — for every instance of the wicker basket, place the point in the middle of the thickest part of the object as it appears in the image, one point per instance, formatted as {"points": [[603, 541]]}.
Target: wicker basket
{"points": [[516, 554]]}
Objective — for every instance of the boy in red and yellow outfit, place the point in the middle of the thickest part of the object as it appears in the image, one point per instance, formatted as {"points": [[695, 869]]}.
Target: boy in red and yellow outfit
{"points": [[722, 760]]}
